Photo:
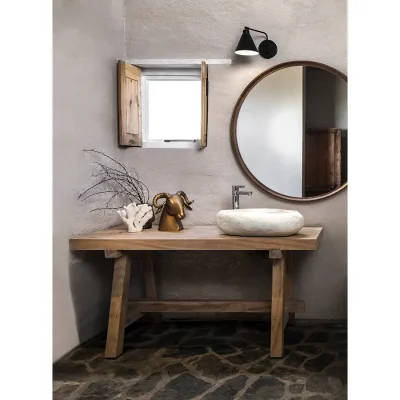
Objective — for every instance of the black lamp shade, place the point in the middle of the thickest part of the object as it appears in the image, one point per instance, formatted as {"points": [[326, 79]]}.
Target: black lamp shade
{"points": [[246, 46]]}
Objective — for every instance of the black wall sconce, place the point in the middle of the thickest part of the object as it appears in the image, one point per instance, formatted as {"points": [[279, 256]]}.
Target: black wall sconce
{"points": [[246, 47]]}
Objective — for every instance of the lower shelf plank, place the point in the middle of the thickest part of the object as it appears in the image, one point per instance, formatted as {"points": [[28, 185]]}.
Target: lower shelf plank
{"points": [[164, 306]]}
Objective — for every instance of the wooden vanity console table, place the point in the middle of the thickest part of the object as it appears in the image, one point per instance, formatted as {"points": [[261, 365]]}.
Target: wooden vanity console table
{"points": [[117, 243]]}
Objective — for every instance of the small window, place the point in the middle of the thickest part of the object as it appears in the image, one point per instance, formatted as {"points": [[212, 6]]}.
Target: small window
{"points": [[163, 107], [171, 111]]}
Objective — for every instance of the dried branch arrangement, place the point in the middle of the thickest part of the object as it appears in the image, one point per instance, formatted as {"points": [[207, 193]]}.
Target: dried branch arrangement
{"points": [[117, 181]]}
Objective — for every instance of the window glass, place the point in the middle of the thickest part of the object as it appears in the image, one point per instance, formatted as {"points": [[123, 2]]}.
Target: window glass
{"points": [[174, 109]]}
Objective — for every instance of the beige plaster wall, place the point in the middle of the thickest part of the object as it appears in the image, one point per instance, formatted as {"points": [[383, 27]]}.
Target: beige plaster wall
{"points": [[303, 30], [89, 37]]}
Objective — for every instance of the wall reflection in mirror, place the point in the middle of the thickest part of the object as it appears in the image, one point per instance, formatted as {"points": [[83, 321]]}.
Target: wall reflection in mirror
{"points": [[291, 132]]}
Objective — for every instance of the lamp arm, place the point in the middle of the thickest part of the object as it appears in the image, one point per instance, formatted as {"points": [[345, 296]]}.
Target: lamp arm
{"points": [[255, 30]]}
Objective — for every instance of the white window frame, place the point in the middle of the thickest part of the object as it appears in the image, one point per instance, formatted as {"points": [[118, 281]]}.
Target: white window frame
{"points": [[165, 74]]}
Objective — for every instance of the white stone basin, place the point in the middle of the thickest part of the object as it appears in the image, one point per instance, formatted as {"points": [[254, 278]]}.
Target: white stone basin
{"points": [[260, 222]]}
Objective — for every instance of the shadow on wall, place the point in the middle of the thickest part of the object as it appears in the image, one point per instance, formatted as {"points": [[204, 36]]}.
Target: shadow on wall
{"points": [[218, 275], [333, 291], [92, 302], [189, 275], [222, 275]]}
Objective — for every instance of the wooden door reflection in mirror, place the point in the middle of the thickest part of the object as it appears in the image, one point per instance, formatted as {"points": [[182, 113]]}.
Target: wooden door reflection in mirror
{"points": [[289, 131]]}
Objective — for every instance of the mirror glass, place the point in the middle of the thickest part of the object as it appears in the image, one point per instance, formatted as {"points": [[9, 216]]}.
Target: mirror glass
{"points": [[291, 131]]}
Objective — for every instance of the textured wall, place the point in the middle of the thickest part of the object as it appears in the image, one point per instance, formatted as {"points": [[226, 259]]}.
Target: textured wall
{"points": [[304, 30], [88, 39]]}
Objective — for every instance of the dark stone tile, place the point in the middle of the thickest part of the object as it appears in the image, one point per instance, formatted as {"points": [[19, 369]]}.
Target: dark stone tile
{"points": [[175, 369], [293, 336], [256, 338], [201, 342], [319, 363], [86, 354], [149, 346], [228, 390], [183, 387], [336, 346], [289, 374], [201, 333], [157, 330], [340, 397], [342, 356], [184, 352], [136, 355], [309, 349], [64, 391], [126, 372], [263, 366], [255, 326], [306, 324], [239, 344], [167, 394], [247, 355], [192, 325], [265, 388], [96, 344], [69, 371], [102, 366], [102, 390], [286, 352], [225, 330], [223, 349], [136, 333], [138, 340], [171, 339], [339, 371], [108, 369], [212, 367], [144, 386], [296, 388], [318, 337], [294, 360], [335, 326], [324, 384], [340, 336]]}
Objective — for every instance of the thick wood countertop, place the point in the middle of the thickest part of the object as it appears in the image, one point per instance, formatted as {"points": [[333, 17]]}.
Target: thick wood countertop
{"points": [[192, 238]]}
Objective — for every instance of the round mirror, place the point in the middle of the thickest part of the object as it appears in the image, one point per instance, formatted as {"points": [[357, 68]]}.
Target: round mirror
{"points": [[289, 130]]}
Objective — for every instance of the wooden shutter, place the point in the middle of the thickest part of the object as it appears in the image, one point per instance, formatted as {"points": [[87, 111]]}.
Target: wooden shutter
{"points": [[129, 107], [323, 161], [204, 104]]}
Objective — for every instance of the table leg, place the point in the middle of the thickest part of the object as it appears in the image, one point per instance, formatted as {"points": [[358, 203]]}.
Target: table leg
{"points": [[277, 303], [150, 284], [289, 282], [118, 306]]}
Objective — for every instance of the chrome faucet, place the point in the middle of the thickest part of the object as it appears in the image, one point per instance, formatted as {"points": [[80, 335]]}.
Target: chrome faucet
{"points": [[236, 193]]}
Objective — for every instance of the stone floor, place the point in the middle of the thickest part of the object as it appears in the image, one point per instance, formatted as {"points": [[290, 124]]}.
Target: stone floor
{"points": [[209, 361]]}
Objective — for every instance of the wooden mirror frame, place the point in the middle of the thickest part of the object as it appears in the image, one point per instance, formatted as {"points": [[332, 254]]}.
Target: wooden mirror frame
{"points": [[235, 116]]}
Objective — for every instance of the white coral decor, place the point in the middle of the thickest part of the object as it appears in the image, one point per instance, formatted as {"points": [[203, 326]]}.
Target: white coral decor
{"points": [[135, 217]]}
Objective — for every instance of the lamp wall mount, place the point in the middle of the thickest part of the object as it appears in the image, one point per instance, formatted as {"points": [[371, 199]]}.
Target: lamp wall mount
{"points": [[246, 47]]}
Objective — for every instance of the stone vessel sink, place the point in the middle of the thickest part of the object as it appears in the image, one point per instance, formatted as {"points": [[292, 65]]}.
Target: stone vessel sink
{"points": [[260, 222]]}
